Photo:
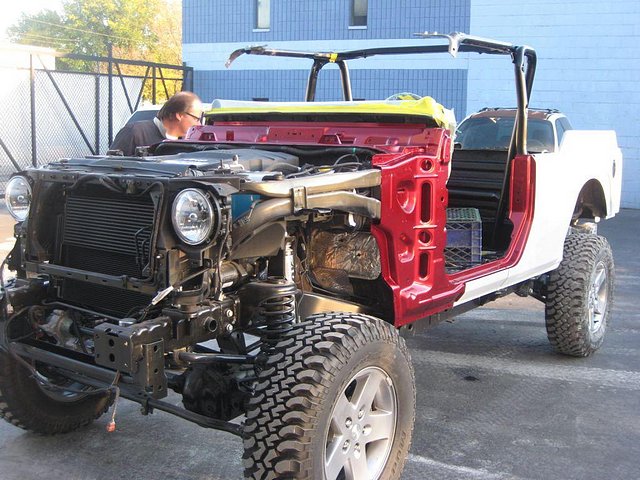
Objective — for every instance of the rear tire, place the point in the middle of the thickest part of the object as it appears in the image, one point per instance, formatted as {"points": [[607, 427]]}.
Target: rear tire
{"points": [[25, 404], [336, 400], [580, 295]]}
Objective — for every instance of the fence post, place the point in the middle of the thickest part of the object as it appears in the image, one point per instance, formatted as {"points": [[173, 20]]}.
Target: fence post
{"points": [[187, 78], [97, 119], [153, 85], [32, 99], [110, 101]]}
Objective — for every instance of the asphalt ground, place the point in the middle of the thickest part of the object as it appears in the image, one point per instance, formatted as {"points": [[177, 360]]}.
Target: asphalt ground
{"points": [[494, 402]]}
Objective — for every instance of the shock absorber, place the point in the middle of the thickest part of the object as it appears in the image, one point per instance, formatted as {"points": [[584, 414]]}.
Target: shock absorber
{"points": [[271, 305], [289, 257], [279, 312]]}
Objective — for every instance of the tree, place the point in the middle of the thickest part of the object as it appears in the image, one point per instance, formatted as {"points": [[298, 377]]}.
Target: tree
{"points": [[43, 29], [136, 29]]}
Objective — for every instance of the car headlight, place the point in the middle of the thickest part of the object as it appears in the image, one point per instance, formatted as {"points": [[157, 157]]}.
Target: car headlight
{"points": [[193, 216], [17, 196]]}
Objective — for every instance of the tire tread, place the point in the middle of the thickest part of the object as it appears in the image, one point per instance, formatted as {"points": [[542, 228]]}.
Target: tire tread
{"points": [[565, 316], [280, 422], [23, 405]]}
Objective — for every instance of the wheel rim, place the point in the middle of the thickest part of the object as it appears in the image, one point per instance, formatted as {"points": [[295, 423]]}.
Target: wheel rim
{"points": [[598, 298], [362, 427]]}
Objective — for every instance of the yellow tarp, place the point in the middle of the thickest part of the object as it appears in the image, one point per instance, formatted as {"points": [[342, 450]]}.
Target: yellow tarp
{"points": [[424, 107]]}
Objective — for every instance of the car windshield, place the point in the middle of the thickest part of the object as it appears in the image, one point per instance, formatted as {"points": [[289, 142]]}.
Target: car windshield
{"points": [[494, 133]]}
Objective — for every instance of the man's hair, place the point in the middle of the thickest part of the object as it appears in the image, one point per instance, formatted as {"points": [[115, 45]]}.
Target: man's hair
{"points": [[179, 103]]}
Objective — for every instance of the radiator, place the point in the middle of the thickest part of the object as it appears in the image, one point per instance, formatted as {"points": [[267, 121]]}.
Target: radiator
{"points": [[108, 235]]}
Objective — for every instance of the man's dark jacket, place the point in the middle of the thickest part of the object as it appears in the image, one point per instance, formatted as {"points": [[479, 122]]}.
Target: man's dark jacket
{"points": [[137, 134]]}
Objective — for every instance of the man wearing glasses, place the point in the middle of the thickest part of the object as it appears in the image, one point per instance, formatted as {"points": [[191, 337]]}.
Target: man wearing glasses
{"points": [[176, 116]]}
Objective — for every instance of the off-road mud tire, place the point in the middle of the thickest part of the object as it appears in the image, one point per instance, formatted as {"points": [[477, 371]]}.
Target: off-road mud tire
{"points": [[24, 404], [567, 303], [288, 417]]}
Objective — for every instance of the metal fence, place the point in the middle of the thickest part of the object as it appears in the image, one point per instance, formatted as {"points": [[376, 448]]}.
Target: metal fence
{"points": [[51, 113]]}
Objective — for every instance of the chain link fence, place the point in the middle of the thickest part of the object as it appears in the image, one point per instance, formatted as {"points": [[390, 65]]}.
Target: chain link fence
{"points": [[51, 114], [15, 147]]}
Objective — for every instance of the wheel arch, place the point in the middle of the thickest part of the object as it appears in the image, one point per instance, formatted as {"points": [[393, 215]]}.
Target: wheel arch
{"points": [[591, 201]]}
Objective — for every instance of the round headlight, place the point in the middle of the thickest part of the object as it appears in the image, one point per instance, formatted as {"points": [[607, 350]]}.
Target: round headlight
{"points": [[17, 196], [192, 216]]}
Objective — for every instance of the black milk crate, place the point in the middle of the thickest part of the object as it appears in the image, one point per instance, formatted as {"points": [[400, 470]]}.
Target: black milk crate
{"points": [[464, 238]]}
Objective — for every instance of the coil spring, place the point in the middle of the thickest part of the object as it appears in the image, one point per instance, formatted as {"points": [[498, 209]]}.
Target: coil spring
{"points": [[279, 315]]}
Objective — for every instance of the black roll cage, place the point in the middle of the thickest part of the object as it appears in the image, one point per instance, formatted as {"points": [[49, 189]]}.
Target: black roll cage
{"points": [[456, 43]]}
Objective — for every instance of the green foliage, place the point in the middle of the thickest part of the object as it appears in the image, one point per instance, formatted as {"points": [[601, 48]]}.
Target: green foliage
{"points": [[136, 29], [44, 29]]}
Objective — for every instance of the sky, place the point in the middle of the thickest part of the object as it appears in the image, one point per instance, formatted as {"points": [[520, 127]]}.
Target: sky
{"points": [[12, 10]]}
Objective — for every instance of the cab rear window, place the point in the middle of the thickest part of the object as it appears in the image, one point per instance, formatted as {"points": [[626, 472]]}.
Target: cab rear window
{"points": [[494, 133]]}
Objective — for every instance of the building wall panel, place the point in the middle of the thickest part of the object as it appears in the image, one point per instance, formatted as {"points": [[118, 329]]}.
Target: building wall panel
{"points": [[446, 86], [588, 66], [206, 21]]}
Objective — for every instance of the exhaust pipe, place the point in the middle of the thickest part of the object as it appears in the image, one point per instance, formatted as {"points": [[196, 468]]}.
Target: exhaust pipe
{"points": [[326, 182]]}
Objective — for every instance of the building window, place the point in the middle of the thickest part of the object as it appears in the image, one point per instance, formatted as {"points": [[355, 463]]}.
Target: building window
{"points": [[263, 14], [358, 16]]}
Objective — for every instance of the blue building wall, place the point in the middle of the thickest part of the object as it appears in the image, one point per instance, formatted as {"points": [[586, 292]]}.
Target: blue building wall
{"points": [[588, 63], [588, 66], [207, 21], [213, 29], [447, 86]]}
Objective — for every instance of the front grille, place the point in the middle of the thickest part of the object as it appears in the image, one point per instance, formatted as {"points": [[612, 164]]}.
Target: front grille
{"points": [[109, 235]]}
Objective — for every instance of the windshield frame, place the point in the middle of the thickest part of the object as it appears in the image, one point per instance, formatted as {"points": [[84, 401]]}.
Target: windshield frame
{"points": [[523, 57]]}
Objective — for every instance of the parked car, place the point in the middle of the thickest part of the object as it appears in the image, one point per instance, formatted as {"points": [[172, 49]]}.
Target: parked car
{"points": [[492, 128], [146, 112], [301, 237]]}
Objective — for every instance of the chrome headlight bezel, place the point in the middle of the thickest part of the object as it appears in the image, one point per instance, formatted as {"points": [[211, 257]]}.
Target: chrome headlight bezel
{"points": [[188, 234], [12, 197]]}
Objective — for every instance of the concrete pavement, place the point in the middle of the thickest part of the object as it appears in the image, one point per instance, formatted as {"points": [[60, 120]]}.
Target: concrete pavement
{"points": [[494, 402]]}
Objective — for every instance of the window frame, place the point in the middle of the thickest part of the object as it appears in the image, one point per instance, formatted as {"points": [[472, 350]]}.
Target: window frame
{"points": [[354, 19], [262, 13], [562, 125]]}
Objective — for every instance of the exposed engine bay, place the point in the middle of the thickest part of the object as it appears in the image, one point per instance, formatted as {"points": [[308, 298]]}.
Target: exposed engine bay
{"points": [[139, 263]]}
